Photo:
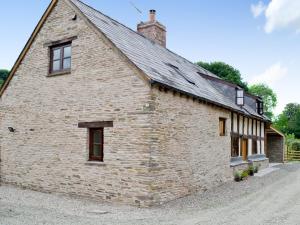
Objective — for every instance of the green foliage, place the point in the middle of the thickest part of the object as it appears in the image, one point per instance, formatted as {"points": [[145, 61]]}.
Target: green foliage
{"points": [[238, 176], [3, 76], [289, 139], [292, 143], [281, 123], [288, 121], [251, 170], [245, 174], [268, 96], [226, 72], [291, 109], [255, 168], [295, 146]]}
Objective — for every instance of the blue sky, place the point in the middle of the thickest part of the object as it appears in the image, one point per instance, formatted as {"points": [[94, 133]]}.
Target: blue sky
{"points": [[260, 38]]}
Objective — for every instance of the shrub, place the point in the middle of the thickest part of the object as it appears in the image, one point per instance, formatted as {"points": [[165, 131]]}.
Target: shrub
{"points": [[255, 169], [245, 174], [251, 170], [238, 176], [295, 145]]}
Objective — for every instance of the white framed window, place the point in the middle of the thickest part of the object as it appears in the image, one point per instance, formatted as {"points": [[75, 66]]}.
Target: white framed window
{"points": [[239, 96]]}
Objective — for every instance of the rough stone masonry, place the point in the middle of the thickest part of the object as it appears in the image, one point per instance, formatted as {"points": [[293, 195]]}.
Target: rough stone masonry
{"points": [[162, 146]]}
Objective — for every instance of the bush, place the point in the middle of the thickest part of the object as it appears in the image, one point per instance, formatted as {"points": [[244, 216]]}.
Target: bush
{"points": [[251, 170], [238, 176], [245, 174], [255, 169], [295, 145]]}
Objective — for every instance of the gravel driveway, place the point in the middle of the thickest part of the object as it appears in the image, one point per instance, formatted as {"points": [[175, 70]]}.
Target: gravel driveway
{"points": [[272, 199]]}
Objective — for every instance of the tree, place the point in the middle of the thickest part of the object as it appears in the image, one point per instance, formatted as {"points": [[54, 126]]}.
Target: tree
{"points": [[281, 123], [226, 72], [3, 76], [289, 120], [294, 124], [291, 109], [268, 96]]}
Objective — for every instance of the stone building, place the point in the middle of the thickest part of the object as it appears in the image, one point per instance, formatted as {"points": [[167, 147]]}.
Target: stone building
{"points": [[93, 108]]}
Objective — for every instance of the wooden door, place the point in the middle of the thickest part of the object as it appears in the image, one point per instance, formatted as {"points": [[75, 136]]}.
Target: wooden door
{"points": [[245, 149]]}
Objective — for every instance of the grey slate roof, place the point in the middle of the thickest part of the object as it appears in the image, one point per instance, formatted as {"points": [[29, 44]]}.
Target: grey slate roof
{"points": [[161, 65]]}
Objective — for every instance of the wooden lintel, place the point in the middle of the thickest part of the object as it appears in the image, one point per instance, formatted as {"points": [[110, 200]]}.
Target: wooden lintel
{"points": [[53, 43], [95, 124]]}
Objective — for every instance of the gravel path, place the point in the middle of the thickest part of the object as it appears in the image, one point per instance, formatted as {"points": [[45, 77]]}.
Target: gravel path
{"points": [[272, 199]]}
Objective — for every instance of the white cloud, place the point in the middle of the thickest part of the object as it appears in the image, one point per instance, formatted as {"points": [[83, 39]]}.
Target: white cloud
{"points": [[279, 14], [271, 75], [258, 9], [282, 14]]}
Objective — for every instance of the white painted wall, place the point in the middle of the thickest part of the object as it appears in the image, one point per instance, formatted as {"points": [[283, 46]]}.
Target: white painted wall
{"points": [[234, 122], [241, 124], [250, 127], [246, 126]]}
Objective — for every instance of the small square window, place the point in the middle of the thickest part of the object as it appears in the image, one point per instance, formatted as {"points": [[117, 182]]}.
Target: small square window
{"points": [[222, 126], [60, 58]]}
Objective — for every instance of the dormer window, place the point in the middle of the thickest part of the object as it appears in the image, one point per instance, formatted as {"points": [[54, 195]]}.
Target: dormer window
{"points": [[260, 107], [239, 96]]}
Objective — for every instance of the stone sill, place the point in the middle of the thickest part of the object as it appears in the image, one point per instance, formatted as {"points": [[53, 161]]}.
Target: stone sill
{"points": [[238, 163], [94, 163], [257, 158], [66, 72]]}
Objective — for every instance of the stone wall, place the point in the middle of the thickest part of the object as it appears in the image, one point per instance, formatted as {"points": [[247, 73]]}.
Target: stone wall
{"points": [[48, 152], [161, 147], [187, 153], [275, 146]]}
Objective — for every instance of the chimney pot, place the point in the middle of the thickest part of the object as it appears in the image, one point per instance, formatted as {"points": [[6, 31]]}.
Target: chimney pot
{"points": [[152, 15]]}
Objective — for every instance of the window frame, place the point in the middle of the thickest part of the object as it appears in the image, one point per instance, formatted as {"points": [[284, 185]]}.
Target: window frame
{"points": [[254, 143], [235, 151], [260, 107], [61, 46], [223, 131], [92, 157], [240, 90]]}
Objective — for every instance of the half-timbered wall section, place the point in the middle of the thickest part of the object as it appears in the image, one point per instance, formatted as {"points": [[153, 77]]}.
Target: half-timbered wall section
{"points": [[249, 130]]}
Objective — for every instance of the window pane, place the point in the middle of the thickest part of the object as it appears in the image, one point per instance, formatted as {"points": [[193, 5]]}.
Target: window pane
{"points": [[56, 54], [235, 147], [240, 93], [67, 52], [240, 101], [97, 150], [97, 137], [254, 147], [67, 63], [56, 65]]}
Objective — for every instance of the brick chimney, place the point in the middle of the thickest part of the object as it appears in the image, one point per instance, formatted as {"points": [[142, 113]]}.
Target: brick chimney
{"points": [[153, 29]]}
